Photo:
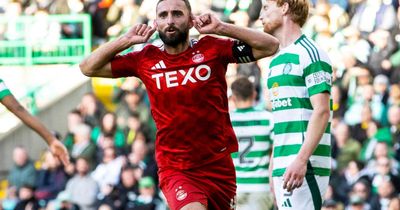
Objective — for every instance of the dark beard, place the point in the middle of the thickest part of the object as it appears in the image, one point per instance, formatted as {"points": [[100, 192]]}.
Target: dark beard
{"points": [[174, 41]]}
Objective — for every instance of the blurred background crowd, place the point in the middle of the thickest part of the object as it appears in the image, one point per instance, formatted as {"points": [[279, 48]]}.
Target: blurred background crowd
{"points": [[113, 163]]}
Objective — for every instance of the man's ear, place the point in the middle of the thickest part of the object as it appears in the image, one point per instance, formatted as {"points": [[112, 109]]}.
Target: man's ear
{"points": [[191, 21], [254, 95], [285, 8], [233, 98]]}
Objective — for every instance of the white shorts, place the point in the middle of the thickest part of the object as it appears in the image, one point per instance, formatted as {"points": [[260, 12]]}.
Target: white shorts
{"points": [[254, 201], [307, 197]]}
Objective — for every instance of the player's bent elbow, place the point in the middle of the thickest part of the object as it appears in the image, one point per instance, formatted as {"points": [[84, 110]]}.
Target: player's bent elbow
{"points": [[274, 46], [85, 69]]}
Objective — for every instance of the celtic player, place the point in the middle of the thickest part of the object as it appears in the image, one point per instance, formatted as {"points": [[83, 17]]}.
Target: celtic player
{"points": [[252, 128], [300, 83]]}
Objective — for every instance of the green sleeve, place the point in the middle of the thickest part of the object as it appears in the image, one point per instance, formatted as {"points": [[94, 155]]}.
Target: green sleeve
{"points": [[4, 91], [318, 77]]}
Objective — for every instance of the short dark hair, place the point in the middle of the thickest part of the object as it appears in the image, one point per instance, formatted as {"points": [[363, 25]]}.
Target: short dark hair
{"points": [[187, 3], [242, 88]]}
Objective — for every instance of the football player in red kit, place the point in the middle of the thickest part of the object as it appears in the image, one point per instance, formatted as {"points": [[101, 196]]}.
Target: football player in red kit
{"points": [[185, 80]]}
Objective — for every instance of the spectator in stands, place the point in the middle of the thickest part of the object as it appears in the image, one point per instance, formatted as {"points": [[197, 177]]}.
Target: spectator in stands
{"points": [[83, 146], [362, 189], [381, 173], [51, 178], [347, 68], [381, 150], [27, 199], [344, 182], [141, 158], [108, 127], [128, 84], [132, 101], [386, 192], [356, 203], [23, 172], [135, 128], [365, 95], [74, 118], [381, 88], [147, 198], [383, 46], [358, 76], [98, 11], [108, 172], [11, 199], [355, 81], [349, 148], [108, 141], [359, 47], [123, 195], [374, 14], [82, 187], [375, 135], [359, 131], [91, 109], [329, 197]]}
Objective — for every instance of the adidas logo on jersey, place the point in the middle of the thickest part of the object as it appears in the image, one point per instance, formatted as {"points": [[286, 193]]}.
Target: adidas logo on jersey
{"points": [[240, 48], [287, 203], [159, 65]]}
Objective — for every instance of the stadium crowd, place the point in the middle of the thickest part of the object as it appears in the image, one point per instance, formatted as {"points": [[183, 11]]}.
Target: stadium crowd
{"points": [[113, 163]]}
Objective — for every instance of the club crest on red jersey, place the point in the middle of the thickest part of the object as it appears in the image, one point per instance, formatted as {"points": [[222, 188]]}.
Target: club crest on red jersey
{"points": [[181, 194], [197, 57]]}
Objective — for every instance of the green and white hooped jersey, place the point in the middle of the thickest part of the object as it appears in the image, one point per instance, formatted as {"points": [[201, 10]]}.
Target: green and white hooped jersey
{"points": [[4, 91], [253, 129], [298, 72]]}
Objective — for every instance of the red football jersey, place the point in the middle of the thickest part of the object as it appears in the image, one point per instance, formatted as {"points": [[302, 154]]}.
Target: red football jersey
{"points": [[188, 97]]}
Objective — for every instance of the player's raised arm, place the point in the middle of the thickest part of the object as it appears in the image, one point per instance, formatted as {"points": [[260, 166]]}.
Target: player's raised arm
{"points": [[262, 44], [98, 63], [56, 147]]}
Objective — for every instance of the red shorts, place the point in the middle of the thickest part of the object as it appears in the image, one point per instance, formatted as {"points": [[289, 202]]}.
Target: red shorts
{"points": [[213, 185]]}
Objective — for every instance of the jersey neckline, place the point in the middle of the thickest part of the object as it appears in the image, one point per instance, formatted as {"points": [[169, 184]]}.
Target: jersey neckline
{"points": [[192, 43]]}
